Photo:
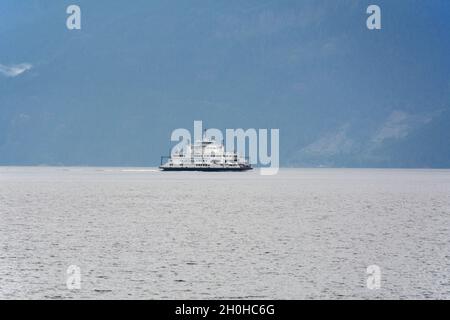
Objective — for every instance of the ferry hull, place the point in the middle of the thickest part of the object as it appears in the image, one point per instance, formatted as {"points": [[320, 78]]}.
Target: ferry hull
{"points": [[205, 169]]}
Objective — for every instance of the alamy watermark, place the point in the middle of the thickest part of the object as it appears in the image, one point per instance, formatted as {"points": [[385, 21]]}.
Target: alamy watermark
{"points": [[373, 281], [253, 144], [374, 20], [73, 21], [73, 281]]}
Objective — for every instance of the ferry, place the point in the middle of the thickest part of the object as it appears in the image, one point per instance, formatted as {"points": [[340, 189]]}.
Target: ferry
{"points": [[204, 155]]}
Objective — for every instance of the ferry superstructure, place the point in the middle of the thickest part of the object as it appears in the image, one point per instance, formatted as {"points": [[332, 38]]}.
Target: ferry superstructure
{"points": [[204, 155]]}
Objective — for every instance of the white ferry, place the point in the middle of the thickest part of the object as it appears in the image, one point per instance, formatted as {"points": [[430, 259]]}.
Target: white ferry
{"points": [[205, 155]]}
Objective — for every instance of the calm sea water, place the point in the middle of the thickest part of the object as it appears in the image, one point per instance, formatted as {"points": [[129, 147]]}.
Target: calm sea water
{"points": [[302, 234]]}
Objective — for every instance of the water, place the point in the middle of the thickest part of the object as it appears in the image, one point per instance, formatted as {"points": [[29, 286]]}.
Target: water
{"points": [[302, 234]]}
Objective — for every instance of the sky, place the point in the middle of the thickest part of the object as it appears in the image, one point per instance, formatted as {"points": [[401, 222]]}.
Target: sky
{"points": [[111, 93]]}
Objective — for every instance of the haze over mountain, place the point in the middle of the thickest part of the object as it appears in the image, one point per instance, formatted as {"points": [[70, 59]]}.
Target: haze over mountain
{"points": [[111, 93]]}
